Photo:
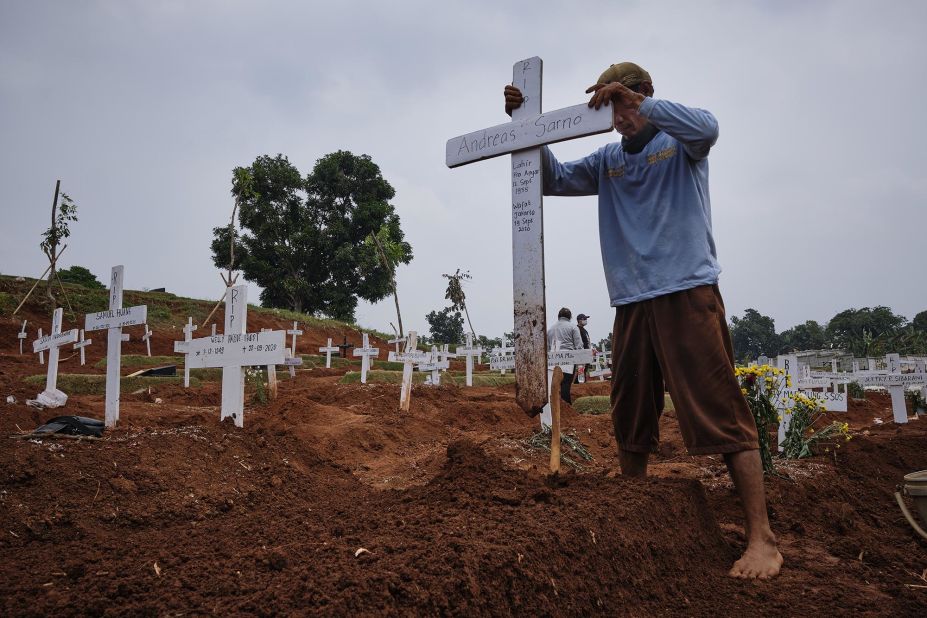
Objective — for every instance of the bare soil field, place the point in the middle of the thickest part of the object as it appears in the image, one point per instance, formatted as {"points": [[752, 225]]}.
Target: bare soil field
{"points": [[332, 502]]}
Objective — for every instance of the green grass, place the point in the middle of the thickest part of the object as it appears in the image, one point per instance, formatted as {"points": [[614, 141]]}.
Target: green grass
{"points": [[84, 384], [459, 379], [311, 360], [594, 404], [140, 360]]}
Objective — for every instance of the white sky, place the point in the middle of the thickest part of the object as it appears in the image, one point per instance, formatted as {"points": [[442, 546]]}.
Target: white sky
{"points": [[142, 109]]}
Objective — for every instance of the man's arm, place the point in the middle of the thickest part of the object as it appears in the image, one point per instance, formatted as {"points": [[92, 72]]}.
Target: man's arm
{"points": [[696, 129]]}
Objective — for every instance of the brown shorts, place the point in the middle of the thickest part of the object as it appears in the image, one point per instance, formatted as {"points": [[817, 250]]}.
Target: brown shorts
{"points": [[681, 338]]}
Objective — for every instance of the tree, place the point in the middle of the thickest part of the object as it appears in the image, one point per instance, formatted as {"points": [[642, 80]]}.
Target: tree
{"points": [[456, 295], [446, 326], [754, 335], [61, 215], [920, 321], [302, 240], [390, 254], [80, 276], [807, 336], [863, 331]]}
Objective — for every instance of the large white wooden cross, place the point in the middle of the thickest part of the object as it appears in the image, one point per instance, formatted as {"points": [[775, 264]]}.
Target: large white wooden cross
{"points": [[51, 397], [367, 354], [180, 347], [469, 352], [112, 321], [523, 137], [328, 349], [234, 350]]}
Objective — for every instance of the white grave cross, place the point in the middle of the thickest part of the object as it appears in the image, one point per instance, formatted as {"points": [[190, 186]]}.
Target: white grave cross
{"points": [[469, 352], [147, 339], [410, 356], [234, 350], [328, 349], [367, 354], [112, 321], [565, 359], [51, 397], [22, 337], [80, 345], [180, 347], [293, 332], [522, 137]]}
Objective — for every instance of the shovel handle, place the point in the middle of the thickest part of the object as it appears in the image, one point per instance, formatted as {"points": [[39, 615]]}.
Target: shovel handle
{"points": [[908, 516], [556, 379]]}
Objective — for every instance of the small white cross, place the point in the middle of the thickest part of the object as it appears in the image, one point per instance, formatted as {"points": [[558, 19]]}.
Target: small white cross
{"points": [[80, 345], [294, 332], [470, 352], [367, 355], [147, 338], [328, 349], [22, 337]]}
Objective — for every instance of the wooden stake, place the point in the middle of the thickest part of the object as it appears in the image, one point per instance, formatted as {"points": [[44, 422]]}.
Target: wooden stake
{"points": [[555, 425], [37, 281]]}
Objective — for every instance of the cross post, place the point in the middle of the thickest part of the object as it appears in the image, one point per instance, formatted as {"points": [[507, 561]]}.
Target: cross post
{"points": [[328, 349], [366, 353], [51, 397], [523, 137], [293, 332], [22, 337], [80, 345]]}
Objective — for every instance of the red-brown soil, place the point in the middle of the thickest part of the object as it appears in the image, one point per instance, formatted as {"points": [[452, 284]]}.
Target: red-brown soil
{"points": [[176, 513]]}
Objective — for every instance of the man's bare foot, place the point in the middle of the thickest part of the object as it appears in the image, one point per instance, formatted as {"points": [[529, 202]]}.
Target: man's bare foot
{"points": [[761, 560]]}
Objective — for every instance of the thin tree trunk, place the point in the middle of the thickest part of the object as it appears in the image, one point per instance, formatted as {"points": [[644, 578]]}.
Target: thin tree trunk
{"points": [[392, 274], [467, 313], [52, 257]]}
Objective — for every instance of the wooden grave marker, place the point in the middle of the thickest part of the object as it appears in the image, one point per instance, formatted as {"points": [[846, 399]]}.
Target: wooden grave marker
{"points": [[522, 138], [469, 352], [367, 355], [22, 337], [147, 339], [294, 332], [409, 357], [180, 347], [234, 350], [272, 371], [113, 321], [51, 397], [328, 349], [80, 345]]}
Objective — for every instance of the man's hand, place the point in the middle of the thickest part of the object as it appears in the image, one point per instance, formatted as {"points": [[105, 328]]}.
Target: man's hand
{"points": [[513, 98], [619, 93]]}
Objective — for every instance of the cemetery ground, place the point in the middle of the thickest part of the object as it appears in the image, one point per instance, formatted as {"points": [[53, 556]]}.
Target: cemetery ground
{"points": [[331, 501]]}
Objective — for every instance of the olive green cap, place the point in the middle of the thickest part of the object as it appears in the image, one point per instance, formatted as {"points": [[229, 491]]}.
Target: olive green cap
{"points": [[627, 73]]}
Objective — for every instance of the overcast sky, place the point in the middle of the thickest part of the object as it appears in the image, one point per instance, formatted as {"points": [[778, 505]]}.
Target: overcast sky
{"points": [[142, 109]]}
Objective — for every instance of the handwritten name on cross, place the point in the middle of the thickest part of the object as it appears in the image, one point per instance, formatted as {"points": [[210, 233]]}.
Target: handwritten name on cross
{"points": [[51, 397], [328, 349], [523, 137], [113, 321], [180, 347]]}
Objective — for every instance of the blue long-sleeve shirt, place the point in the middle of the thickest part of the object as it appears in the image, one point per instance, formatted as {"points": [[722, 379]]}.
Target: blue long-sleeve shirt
{"points": [[654, 207]]}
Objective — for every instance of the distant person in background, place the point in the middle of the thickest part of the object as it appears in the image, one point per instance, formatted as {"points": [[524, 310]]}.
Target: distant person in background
{"points": [[581, 320], [567, 334]]}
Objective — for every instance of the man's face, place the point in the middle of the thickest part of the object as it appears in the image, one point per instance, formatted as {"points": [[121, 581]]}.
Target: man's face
{"points": [[581, 322], [628, 121]]}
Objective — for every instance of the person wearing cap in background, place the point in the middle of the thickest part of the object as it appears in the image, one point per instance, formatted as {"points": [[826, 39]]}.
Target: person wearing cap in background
{"points": [[567, 335], [581, 320], [662, 274]]}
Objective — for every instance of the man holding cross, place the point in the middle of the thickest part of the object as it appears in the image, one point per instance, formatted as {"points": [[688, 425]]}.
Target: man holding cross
{"points": [[662, 273]]}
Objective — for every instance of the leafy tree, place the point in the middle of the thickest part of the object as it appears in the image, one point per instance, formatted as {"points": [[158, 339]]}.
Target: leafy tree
{"points": [[61, 216], [446, 326], [754, 335], [864, 331], [920, 321], [80, 276], [390, 254], [303, 240], [807, 336], [456, 295], [488, 343]]}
